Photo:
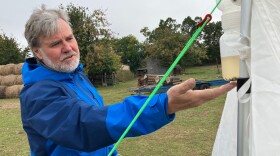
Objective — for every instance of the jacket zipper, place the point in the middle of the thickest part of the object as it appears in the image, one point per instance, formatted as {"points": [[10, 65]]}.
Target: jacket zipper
{"points": [[86, 93]]}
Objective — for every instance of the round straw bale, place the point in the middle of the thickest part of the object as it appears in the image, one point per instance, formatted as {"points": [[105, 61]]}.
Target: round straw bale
{"points": [[8, 80], [13, 91], [1, 68], [17, 69], [7, 69], [2, 92], [1, 77], [18, 80]]}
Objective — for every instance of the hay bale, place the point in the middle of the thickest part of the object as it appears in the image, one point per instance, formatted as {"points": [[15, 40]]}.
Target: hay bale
{"points": [[17, 69], [1, 77], [13, 91], [11, 69], [2, 92], [7, 69], [19, 80], [10, 80]]}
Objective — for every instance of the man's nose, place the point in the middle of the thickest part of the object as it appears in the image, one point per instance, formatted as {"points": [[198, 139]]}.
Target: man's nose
{"points": [[66, 47]]}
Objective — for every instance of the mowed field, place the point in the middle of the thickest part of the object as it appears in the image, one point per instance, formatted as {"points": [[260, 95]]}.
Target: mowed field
{"points": [[192, 133]]}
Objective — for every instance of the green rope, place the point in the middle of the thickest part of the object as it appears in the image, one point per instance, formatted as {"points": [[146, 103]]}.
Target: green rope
{"points": [[189, 43]]}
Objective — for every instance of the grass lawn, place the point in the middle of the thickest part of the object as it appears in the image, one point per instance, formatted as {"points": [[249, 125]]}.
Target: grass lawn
{"points": [[192, 133]]}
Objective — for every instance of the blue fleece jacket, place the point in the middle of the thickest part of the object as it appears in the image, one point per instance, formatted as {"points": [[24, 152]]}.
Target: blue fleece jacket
{"points": [[63, 114]]}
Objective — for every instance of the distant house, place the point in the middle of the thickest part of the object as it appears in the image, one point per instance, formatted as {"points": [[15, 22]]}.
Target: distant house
{"points": [[153, 67], [125, 67], [153, 72]]}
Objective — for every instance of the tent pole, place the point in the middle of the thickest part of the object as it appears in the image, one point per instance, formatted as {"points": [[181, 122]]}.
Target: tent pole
{"points": [[244, 108]]}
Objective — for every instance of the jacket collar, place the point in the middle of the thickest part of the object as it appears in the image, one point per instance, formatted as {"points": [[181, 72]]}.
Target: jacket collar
{"points": [[33, 72]]}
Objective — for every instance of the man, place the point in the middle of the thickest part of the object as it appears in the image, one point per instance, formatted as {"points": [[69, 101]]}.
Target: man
{"points": [[63, 114]]}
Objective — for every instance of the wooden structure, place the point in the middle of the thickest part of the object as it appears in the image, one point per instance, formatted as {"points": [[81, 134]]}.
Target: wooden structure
{"points": [[104, 79], [151, 79]]}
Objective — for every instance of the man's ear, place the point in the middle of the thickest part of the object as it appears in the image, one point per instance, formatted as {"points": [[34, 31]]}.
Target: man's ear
{"points": [[38, 53]]}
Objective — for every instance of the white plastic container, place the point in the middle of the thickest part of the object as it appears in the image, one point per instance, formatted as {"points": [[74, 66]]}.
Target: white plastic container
{"points": [[230, 59]]}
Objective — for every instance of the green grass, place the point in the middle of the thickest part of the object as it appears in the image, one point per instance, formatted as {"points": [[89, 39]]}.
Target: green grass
{"points": [[13, 141], [192, 133]]}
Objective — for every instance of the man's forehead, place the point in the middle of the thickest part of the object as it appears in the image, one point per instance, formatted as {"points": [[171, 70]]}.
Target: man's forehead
{"points": [[59, 35]]}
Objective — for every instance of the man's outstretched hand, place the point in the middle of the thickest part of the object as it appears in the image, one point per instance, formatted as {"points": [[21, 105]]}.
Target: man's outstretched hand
{"points": [[182, 96]]}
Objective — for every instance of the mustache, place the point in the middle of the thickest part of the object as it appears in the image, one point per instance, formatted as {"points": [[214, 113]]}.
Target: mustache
{"points": [[69, 54]]}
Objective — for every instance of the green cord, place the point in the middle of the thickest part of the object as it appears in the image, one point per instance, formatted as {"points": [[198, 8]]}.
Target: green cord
{"points": [[216, 6], [162, 81]]}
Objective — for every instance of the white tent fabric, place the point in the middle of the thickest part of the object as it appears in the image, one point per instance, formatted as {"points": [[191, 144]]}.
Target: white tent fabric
{"points": [[226, 140], [264, 123], [265, 70]]}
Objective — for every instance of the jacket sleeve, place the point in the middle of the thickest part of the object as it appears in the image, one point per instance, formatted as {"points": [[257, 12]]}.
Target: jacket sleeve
{"points": [[153, 117]]}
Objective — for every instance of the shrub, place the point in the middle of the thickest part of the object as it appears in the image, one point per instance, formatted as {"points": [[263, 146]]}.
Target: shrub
{"points": [[124, 75]]}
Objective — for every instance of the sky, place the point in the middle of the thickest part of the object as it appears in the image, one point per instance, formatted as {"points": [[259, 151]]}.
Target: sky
{"points": [[125, 16]]}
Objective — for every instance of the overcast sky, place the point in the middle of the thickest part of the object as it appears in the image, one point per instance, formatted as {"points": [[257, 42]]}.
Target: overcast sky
{"points": [[126, 16]]}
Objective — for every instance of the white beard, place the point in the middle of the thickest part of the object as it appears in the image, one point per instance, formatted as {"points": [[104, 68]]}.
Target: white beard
{"points": [[62, 66]]}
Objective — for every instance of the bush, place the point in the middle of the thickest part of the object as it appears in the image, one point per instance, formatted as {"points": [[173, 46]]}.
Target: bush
{"points": [[124, 75]]}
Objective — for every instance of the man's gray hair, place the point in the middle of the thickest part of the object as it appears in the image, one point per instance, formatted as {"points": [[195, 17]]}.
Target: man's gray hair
{"points": [[43, 22]]}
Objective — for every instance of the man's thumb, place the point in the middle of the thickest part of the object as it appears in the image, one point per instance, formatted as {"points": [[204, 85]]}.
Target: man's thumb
{"points": [[187, 85]]}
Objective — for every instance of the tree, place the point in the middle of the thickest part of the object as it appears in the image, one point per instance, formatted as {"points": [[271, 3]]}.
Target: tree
{"points": [[93, 36], [101, 59], [211, 36], [166, 42], [88, 27], [130, 50], [188, 26], [9, 50]]}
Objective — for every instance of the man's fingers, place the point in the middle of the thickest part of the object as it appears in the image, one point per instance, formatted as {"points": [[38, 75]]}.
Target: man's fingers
{"points": [[180, 97], [215, 92], [187, 85]]}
